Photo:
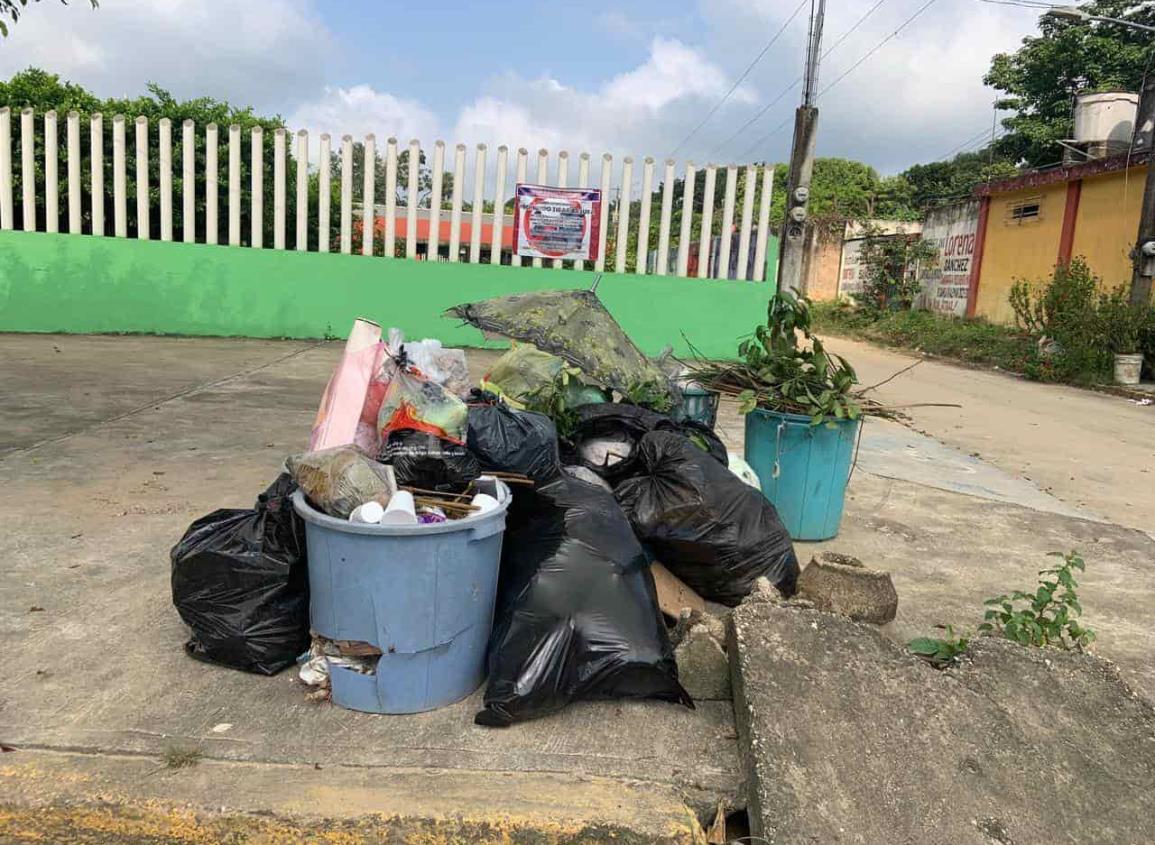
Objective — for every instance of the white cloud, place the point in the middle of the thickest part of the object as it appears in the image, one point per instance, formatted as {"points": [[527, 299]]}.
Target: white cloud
{"points": [[636, 112], [261, 52], [360, 110]]}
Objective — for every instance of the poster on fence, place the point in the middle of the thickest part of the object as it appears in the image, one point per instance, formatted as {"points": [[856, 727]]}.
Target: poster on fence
{"points": [[557, 222]]}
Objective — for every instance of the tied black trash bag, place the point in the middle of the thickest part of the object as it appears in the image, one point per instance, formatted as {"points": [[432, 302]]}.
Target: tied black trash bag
{"points": [[606, 437], [577, 612], [707, 526], [514, 441], [239, 581], [427, 461]]}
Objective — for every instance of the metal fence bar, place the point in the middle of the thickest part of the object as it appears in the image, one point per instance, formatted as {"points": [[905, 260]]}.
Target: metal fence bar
{"points": [[324, 200], [257, 188], [563, 182], [604, 217], [664, 221], [723, 270], [75, 189], [234, 184], [188, 180], [706, 234], [302, 239], [119, 201], [498, 206], [28, 169], [346, 194], [522, 166], [455, 214], [6, 210], [142, 209], [623, 215], [433, 246], [390, 195], [412, 198], [644, 216], [763, 224], [165, 152], [96, 144], [542, 176], [478, 205], [51, 174], [212, 184], [681, 268], [747, 222], [369, 195]]}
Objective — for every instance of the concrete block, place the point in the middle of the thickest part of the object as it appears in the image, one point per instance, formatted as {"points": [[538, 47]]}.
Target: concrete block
{"points": [[702, 666], [847, 738], [840, 583]]}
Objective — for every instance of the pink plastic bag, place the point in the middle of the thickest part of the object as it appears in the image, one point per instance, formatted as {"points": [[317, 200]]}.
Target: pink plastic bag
{"points": [[344, 398]]}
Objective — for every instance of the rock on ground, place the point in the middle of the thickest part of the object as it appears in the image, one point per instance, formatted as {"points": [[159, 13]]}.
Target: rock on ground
{"points": [[849, 739]]}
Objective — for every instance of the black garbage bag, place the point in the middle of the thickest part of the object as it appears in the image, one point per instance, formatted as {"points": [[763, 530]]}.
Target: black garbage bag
{"points": [[514, 441], [239, 581], [577, 612], [606, 437], [705, 524], [424, 460]]}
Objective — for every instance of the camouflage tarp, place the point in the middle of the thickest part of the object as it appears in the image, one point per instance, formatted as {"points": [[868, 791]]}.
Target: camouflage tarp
{"points": [[572, 324]]}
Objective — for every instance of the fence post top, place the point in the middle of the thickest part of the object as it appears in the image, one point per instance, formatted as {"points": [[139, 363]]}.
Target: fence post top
{"points": [[188, 122], [482, 148], [74, 115], [325, 136], [27, 110], [119, 118], [5, 111], [503, 149], [439, 143], [301, 133], [543, 152], [258, 130], [141, 120], [414, 142], [522, 151], [50, 113], [648, 160], [628, 160], [563, 154], [607, 157], [690, 166], [391, 141], [460, 148], [164, 121]]}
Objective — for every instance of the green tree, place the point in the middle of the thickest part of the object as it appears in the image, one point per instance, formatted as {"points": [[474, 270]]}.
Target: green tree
{"points": [[941, 181], [1040, 80]]}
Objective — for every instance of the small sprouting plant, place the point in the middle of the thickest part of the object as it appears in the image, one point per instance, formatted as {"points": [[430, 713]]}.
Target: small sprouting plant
{"points": [[553, 398], [940, 652], [177, 757], [1047, 617]]}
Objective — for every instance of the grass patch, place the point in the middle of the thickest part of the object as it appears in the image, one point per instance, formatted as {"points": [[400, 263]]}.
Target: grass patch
{"points": [[973, 341]]}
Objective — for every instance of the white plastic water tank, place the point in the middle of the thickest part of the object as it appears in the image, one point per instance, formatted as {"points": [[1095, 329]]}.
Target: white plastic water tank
{"points": [[1109, 116]]}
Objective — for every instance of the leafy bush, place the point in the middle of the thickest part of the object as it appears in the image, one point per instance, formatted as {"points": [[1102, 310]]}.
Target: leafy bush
{"points": [[888, 274], [1120, 322], [1066, 310]]}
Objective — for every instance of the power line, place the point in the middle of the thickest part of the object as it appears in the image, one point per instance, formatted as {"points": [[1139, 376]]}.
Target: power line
{"points": [[878, 46], [738, 81], [794, 84], [845, 73]]}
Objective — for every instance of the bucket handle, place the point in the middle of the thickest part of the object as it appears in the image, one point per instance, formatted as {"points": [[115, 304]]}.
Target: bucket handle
{"points": [[778, 449]]}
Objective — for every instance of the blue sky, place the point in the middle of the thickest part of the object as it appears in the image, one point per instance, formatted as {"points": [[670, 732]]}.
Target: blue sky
{"points": [[628, 78]]}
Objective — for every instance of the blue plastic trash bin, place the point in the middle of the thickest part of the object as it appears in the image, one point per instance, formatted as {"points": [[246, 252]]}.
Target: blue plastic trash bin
{"points": [[423, 594], [803, 468]]}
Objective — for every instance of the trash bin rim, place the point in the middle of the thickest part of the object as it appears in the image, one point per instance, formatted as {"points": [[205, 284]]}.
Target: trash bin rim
{"points": [[310, 514], [801, 418]]}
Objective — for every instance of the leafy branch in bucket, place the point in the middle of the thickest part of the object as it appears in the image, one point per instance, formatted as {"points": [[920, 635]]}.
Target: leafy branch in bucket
{"points": [[784, 367]]}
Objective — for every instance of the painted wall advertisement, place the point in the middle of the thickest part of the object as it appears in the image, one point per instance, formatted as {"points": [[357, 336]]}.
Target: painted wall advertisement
{"points": [[851, 268], [945, 282], [557, 222]]}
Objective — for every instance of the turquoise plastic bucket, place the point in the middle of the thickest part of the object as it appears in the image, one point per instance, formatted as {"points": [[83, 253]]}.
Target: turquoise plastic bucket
{"points": [[423, 594], [803, 469]]}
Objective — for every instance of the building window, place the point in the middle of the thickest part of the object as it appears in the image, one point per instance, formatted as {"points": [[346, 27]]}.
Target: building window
{"points": [[1027, 210]]}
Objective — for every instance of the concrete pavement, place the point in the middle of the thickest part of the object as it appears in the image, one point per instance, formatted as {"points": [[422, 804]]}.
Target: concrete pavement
{"points": [[110, 446]]}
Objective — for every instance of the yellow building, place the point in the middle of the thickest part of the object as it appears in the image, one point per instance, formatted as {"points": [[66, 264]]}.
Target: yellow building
{"points": [[1032, 222]]}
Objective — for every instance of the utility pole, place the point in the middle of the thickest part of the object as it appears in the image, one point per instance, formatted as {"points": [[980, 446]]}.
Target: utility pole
{"points": [[792, 253], [1143, 256]]}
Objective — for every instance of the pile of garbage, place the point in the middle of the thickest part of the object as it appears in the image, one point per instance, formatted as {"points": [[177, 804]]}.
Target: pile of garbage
{"points": [[608, 476]]}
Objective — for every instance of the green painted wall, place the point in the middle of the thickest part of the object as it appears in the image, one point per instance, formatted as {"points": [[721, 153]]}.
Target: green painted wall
{"points": [[81, 284]]}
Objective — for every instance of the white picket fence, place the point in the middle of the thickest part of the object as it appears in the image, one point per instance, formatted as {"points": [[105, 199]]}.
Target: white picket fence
{"points": [[669, 244]]}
